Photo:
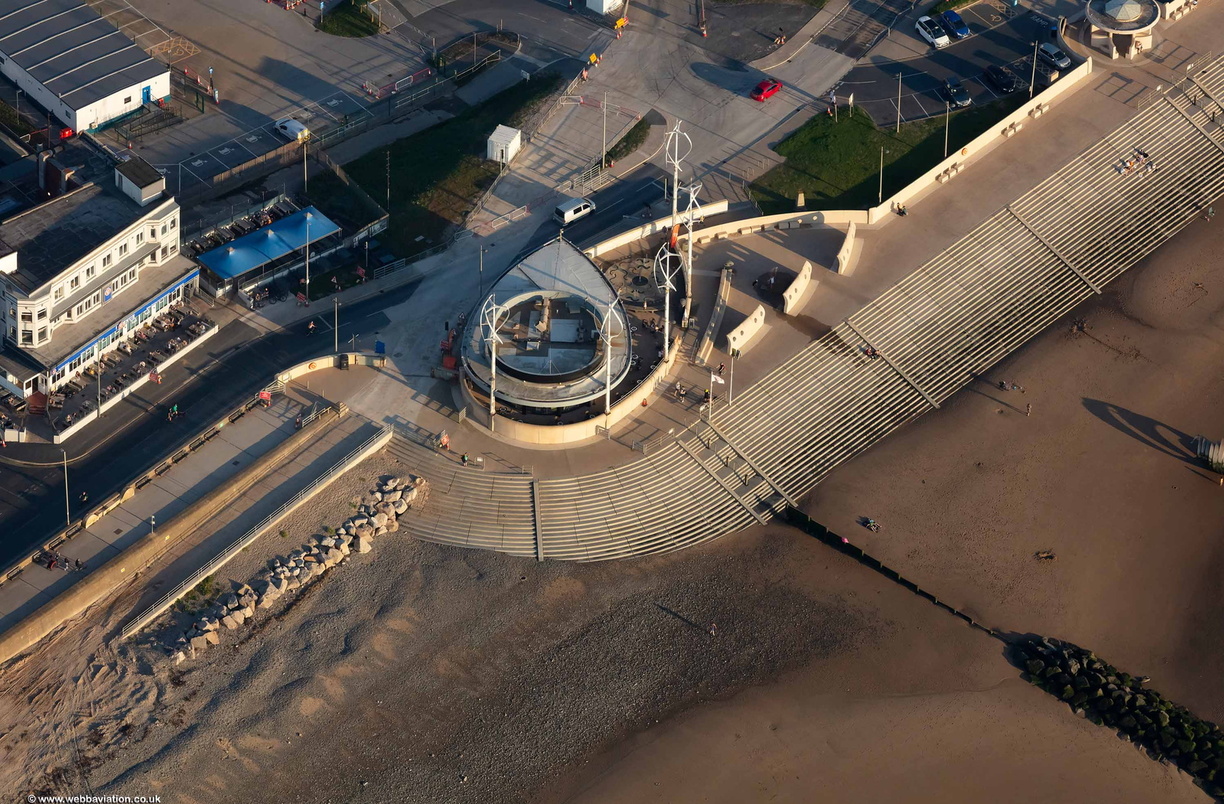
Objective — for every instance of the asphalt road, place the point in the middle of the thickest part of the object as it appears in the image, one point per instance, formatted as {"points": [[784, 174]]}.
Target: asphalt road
{"points": [[619, 207], [233, 366], [1008, 43], [549, 30]]}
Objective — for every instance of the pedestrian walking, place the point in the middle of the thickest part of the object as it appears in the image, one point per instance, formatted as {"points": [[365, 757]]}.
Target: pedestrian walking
{"points": [[1028, 410], [1016, 387], [755, 284], [463, 459], [706, 398], [1002, 385], [84, 496], [446, 325], [721, 368], [713, 629]]}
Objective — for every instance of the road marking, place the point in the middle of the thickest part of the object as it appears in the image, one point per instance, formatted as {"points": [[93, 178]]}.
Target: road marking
{"points": [[986, 86]]}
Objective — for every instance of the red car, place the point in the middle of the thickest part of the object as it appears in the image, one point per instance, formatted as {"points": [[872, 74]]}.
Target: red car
{"points": [[766, 89]]}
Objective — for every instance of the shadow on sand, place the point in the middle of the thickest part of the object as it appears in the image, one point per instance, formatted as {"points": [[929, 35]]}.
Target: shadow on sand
{"points": [[1146, 430]]}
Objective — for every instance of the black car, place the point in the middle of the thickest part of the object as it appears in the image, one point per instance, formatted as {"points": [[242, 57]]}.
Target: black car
{"points": [[1003, 79], [955, 93]]}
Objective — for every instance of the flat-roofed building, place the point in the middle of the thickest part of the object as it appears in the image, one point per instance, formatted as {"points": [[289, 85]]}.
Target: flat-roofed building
{"points": [[75, 64], [84, 270]]}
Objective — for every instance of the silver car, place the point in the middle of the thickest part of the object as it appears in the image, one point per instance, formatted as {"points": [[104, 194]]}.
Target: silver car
{"points": [[1052, 55]]}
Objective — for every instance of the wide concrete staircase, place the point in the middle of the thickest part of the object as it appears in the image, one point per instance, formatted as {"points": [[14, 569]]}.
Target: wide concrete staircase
{"points": [[467, 506], [950, 321]]}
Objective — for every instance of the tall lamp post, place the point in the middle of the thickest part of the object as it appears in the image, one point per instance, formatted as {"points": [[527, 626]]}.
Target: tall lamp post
{"points": [[881, 196], [488, 319], [947, 125], [1033, 80], [67, 509], [898, 103], [605, 331], [482, 253], [665, 270], [307, 259], [336, 325]]}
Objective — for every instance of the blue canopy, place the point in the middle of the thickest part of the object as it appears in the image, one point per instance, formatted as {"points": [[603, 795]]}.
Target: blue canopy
{"points": [[272, 242]]}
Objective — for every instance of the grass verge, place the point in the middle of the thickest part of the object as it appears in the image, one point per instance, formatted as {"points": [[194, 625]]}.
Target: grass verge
{"points": [[837, 165], [348, 19], [629, 143], [437, 175]]}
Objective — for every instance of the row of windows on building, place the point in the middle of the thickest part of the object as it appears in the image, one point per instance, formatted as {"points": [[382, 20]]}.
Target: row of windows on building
{"points": [[74, 281]]}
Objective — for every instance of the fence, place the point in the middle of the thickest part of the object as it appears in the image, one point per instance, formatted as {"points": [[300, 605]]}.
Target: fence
{"points": [[203, 225], [226, 180], [372, 206], [185, 448], [344, 464]]}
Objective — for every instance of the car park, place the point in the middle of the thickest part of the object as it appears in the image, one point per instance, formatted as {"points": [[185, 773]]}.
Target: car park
{"points": [[954, 24], [766, 90], [1052, 55], [292, 129], [1002, 79], [931, 31], [955, 94]]}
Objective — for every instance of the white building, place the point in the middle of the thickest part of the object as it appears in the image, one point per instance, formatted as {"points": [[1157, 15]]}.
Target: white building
{"points": [[75, 64], [84, 270], [504, 144]]}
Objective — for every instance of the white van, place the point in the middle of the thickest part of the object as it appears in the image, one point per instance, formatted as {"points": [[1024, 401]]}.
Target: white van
{"points": [[293, 129], [571, 209]]}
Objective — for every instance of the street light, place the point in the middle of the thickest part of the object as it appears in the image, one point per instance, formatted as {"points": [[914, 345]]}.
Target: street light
{"points": [[67, 509], [882, 152], [947, 125], [336, 325], [1033, 81], [482, 253], [307, 259], [898, 103]]}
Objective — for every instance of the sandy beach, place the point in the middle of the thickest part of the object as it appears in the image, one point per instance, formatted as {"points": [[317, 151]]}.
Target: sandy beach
{"points": [[761, 667]]}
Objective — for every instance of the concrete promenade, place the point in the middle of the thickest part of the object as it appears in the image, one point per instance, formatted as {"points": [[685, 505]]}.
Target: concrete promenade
{"points": [[739, 484], [239, 446]]}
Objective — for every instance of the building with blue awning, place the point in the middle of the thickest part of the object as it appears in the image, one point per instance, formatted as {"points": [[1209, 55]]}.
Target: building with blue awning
{"points": [[267, 252]]}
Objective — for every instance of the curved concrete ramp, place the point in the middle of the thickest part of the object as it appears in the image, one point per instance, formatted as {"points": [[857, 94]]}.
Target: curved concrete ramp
{"points": [[984, 297]]}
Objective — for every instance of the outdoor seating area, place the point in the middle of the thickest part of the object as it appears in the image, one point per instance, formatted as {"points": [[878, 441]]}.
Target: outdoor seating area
{"points": [[220, 235], [128, 361]]}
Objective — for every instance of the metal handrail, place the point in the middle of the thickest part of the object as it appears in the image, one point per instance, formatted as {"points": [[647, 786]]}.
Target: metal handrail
{"points": [[168, 599]]}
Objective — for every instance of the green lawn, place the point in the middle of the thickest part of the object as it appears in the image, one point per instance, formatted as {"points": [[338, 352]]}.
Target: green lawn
{"points": [[347, 19], [439, 173], [837, 165]]}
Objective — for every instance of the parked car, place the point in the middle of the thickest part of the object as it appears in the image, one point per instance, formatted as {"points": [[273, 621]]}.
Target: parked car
{"points": [[956, 94], [929, 30], [766, 90], [292, 129], [954, 25], [1003, 79], [1052, 55]]}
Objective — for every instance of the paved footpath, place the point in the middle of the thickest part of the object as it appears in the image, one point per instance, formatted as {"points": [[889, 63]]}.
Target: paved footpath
{"points": [[236, 447]]}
